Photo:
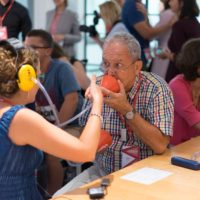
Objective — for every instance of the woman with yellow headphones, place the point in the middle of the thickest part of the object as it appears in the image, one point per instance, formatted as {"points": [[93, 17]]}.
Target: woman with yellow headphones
{"points": [[24, 134]]}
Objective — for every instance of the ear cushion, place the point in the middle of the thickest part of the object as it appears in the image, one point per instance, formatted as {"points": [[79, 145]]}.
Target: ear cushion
{"points": [[26, 74]]}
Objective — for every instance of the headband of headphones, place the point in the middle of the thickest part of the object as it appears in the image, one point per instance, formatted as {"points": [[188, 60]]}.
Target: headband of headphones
{"points": [[15, 43], [26, 72]]}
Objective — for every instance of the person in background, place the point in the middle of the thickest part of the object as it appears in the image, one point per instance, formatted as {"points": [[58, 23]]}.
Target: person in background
{"points": [[139, 117], [120, 2], [159, 66], [110, 12], [187, 27], [64, 91], [14, 19], [63, 25], [138, 24], [77, 66], [186, 92], [84, 82], [25, 134]]}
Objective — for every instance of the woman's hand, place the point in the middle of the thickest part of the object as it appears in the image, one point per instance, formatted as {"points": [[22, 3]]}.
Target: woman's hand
{"points": [[93, 92]]}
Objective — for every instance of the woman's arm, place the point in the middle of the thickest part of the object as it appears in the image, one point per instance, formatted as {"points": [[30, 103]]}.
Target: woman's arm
{"points": [[29, 128]]}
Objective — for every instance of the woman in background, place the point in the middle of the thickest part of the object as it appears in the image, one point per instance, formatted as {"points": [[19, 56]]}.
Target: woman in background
{"points": [[120, 2], [63, 25], [186, 92], [185, 28], [77, 66], [110, 12]]}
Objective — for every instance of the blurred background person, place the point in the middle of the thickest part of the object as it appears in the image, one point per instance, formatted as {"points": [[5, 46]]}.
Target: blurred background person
{"points": [[14, 19], [136, 20], [63, 25], [186, 92], [120, 2], [15, 22], [185, 28], [71, 169], [110, 12], [159, 66], [64, 91], [77, 66]]}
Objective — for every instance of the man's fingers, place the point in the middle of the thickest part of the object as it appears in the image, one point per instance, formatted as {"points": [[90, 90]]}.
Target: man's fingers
{"points": [[121, 86]]}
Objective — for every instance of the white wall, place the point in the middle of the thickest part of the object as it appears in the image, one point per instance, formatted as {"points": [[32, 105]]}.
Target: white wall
{"points": [[39, 12]]}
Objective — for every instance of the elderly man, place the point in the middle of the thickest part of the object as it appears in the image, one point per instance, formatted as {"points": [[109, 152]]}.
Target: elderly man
{"points": [[139, 117]]}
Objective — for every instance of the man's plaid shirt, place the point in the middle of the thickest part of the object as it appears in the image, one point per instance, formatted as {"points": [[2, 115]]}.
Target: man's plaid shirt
{"points": [[154, 103]]}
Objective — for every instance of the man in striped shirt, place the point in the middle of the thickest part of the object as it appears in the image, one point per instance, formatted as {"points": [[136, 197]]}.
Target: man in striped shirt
{"points": [[139, 117]]}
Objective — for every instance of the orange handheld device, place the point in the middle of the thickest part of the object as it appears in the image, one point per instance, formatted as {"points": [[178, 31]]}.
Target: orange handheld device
{"points": [[110, 83], [105, 140]]}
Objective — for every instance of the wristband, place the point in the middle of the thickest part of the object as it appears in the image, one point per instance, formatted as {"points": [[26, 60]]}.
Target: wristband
{"points": [[97, 115]]}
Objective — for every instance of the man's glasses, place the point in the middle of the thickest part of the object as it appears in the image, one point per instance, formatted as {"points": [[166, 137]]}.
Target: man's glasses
{"points": [[116, 67]]}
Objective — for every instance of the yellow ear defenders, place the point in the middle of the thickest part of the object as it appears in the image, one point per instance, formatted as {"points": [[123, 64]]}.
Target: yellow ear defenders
{"points": [[26, 74]]}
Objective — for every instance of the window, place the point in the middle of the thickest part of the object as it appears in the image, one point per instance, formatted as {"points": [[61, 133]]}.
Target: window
{"points": [[93, 52]]}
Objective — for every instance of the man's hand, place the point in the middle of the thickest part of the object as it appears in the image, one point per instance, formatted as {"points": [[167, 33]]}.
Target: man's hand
{"points": [[117, 101]]}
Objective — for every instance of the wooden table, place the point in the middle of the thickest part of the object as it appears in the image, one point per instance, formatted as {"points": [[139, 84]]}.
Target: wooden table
{"points": [[183, 184]]}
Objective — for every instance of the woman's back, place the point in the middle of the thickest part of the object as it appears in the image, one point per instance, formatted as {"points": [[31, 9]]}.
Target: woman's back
{"points": [[17, 164]]}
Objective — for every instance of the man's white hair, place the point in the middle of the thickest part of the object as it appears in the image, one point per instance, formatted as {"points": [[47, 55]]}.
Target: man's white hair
{"points": [[128, 40]]}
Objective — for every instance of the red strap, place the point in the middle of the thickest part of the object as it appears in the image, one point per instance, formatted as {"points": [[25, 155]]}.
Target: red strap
{"points": [[6, 13], [134, 105]]}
